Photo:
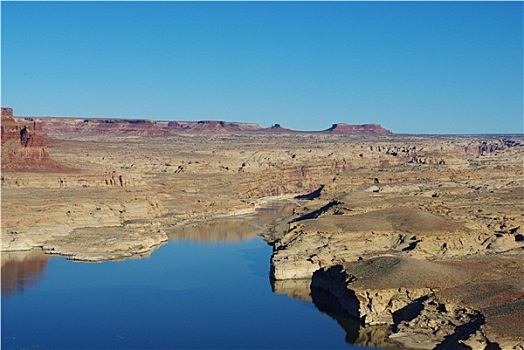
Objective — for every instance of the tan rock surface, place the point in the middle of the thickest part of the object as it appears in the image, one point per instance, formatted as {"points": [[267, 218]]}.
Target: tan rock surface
{"points": [[441, 241], [434, 304]]}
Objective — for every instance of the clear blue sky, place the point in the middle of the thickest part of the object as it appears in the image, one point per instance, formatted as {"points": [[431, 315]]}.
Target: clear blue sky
{"points": [[414, 67]]}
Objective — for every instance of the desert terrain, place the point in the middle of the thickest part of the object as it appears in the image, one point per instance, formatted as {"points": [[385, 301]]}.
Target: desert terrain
{"points": [[418, 237]]}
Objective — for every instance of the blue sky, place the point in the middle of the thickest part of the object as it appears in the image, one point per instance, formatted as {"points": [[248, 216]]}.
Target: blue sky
{"points": [[413, 67]]}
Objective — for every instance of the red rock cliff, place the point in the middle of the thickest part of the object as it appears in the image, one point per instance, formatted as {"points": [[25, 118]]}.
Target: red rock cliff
{"points": [[24, 144]]}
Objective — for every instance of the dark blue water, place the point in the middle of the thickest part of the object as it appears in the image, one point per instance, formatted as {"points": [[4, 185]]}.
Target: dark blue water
{"points": [[187, 294]]}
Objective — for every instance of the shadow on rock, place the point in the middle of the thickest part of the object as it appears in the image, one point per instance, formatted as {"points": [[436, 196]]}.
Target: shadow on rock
{"points": [[409, 312], [316, 213], [463, 332], [356, 332]]}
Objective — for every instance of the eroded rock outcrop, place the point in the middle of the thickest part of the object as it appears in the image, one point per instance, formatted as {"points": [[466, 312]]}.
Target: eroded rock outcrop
{"points": [[24, 144], [278, 129], [421, 303], [332, 234], [80, 222], [108, 243]]}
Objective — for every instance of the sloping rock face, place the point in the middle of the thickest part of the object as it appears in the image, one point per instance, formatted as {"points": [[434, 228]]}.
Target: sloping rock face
{"points": [[24, 144], [342, 128]]}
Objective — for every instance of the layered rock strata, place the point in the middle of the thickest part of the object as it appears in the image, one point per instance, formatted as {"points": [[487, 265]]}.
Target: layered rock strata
{"points": [[80, 223], [24, 144]]}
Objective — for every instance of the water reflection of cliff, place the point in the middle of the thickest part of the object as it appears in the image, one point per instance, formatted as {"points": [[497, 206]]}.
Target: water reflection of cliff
{"points": [[216, 231], [21, 270], [232, 229], [296, 289], [356, 333]]}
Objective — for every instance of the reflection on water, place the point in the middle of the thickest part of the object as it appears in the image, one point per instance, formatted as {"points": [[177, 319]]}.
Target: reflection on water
{"points": [[21, 270], [229, 230], [296, 289], [234, 229], [327, 304]]}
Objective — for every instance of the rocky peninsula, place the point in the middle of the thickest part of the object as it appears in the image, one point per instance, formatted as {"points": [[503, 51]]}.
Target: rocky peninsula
{"points": [[418, 238]]}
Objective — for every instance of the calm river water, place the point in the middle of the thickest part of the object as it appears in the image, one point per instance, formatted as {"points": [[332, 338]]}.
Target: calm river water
{"points": [[208, 287]]}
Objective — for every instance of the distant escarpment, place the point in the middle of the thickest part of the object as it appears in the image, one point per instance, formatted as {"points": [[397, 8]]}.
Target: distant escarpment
{"points": [[358, 129], [278, 129], [137, 127], [24, 144], [217, 126], [146, 127]]}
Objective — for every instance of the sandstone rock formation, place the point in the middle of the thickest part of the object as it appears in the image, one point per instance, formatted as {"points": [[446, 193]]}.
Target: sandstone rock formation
{"points": [[24, 144], [450, 311]]}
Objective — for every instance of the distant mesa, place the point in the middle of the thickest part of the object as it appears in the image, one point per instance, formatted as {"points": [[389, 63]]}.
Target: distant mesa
{"points": [[147, 127], [210, 126], [115, 126], [358, 129], [221, 126], [277, 128]]}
